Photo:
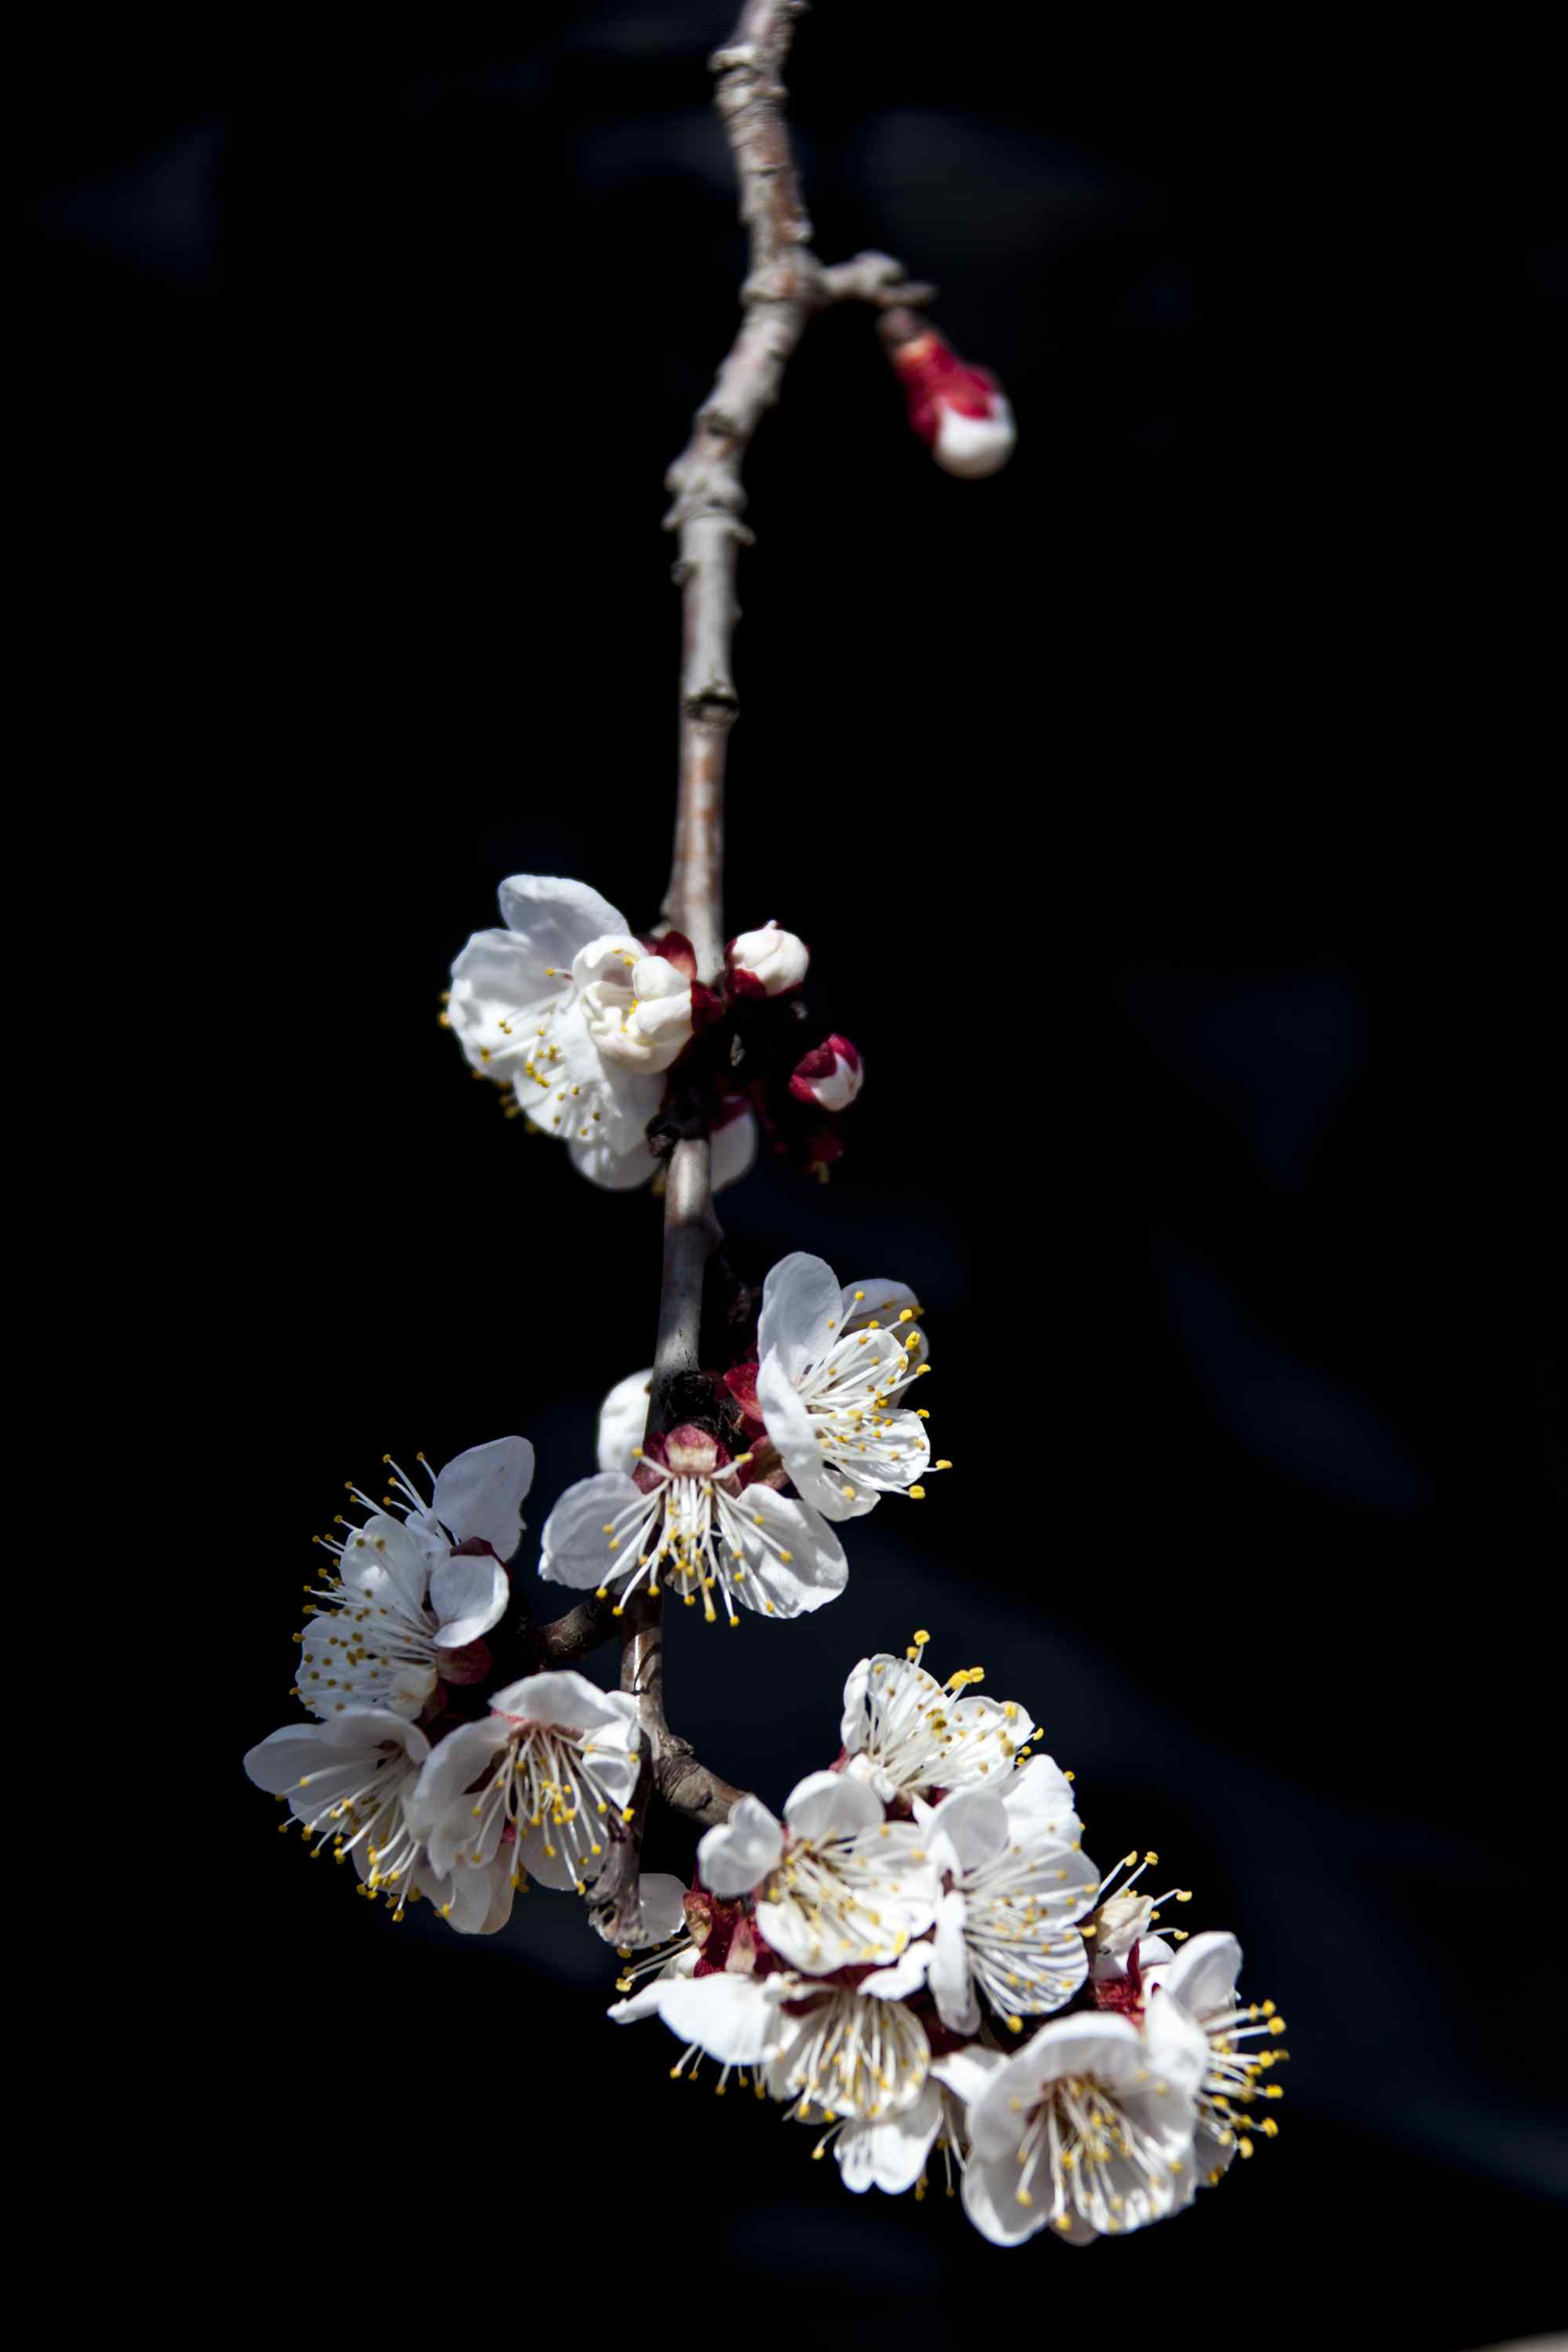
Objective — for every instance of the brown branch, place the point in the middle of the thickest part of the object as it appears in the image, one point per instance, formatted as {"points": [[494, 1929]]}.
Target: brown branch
{"points": [[785, 283]]}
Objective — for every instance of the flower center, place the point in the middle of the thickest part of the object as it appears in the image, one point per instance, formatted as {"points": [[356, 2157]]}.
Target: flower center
{"points": [[545, 1781], [1100, 2165], [698, 1534], [854, 2055]]}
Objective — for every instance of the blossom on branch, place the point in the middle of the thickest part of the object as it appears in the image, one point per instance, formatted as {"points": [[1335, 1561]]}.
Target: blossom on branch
{"points": [[687, 1521], [835, 1884], [547, 1774], [1008, 1923], [1234, 2051], [351, 1785], [910, 1735], [568, 1007], [833, 1362], [409, 1600], [1086, 2129]]}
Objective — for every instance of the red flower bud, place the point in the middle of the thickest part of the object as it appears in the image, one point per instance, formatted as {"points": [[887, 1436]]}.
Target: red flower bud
{"points": [[830, 1076], [961, 413]]}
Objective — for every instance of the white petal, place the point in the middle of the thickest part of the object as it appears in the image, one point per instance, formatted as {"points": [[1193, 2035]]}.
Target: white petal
{"points": [[800, 1312], [951, 1983], [738, 1854], [661, 1907], [565, 1700], [907, 1975], [1176, 2043], [890, 2153], [734, 1148], [469, 1593], [815, 1570], [593, 1156], [280, 1762], [874, 1299], [475, 1901], [852, 1730], [731, 2017], [622, 1418], [441, 1806], [499, 992], [384, 1551], [991, 2201], [792, 1432], [967, 2072], [479, 1495], [556, 917], [974, 1824], [573, 1549], [1204, 1974], [831, 1804], [1039, 1796]]}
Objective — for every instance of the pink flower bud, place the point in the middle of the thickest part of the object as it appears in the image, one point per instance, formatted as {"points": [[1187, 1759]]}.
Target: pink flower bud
{"points": [[768, 962], [830, 1076], [960, 412]]}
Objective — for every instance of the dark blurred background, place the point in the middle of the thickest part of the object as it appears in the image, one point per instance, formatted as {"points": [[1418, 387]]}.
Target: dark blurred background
{"points": [[1171, 831]]}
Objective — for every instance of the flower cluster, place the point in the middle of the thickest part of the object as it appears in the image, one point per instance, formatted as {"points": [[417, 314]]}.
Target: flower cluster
{"points": [[530, 1778], [871, 1961], [443, 1777], [822, 1428], [607, 1039]]}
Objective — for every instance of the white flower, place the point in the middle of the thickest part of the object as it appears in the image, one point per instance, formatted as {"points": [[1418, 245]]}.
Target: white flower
{"points": [[1122, 1918], [351, 1783], [860, 2052], [835, 1886], [1008, 1925], [686, 1524], [536, 1004], [908, 1733], [407, 1596], [830, 1369], [768, 962], [891, 2152], [728, 2015], [545, 1775], [1200, 1983], [1088, 2128]]}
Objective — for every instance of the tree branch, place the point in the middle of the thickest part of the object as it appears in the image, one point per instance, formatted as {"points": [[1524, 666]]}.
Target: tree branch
{"points": [[785, 283]]}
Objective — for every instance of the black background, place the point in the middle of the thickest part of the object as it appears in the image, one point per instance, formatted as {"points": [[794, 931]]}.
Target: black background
{"points": [[1170, 830]]}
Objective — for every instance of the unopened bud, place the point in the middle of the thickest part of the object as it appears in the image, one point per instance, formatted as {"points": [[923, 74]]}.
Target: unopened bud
{"points": [[962, 413], [830, 1076], [637, 1007], [768, 962]]}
